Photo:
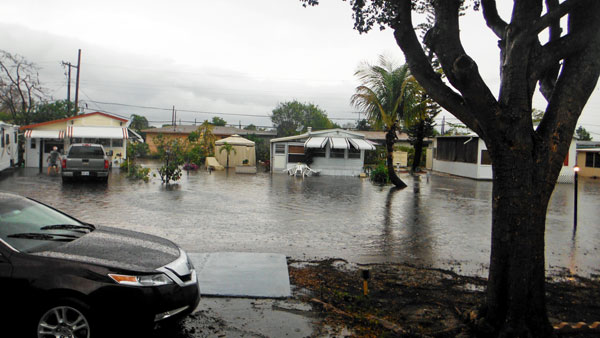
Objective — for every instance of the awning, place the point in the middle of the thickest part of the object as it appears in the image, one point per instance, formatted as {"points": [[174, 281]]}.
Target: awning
{"points": [[361, 144], [339, 143], [56, 134], [316, 142], [97, 132]]}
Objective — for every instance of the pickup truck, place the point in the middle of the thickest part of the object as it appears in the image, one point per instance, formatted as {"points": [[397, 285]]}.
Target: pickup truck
{"points": [[86, 160]]}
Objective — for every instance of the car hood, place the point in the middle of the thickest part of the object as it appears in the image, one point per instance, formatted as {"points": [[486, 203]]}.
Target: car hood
{"points": [[117, 248]]}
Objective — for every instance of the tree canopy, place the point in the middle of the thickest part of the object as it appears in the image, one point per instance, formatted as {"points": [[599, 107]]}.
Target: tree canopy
{"points": [[139, 123], [217, 121], [20, 87], [293, 117], [582, 134]]}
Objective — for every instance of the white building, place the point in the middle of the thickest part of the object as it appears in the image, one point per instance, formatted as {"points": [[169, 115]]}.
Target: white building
{"points": [[8, 145], [108, 130], [467, 156], [335, 152]]}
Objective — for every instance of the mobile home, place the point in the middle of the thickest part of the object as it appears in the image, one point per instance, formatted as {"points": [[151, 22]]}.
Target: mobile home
{"points": [[8, 145]]}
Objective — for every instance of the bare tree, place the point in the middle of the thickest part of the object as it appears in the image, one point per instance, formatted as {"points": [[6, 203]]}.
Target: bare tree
{"points": [[20, 87], [526, 160]]}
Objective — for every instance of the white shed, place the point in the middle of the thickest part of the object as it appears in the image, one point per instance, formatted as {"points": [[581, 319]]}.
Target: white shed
{"points": [[243, 150]]}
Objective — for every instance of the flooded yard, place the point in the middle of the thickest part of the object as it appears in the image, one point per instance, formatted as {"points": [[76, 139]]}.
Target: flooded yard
{"points": [[441, 221]]}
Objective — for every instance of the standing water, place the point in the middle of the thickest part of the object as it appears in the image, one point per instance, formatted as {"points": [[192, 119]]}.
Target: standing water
{"points": [[442, 222]]}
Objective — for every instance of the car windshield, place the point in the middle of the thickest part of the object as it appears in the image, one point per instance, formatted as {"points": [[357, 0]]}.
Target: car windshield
{"points": [[86, 152], [29, 226]]}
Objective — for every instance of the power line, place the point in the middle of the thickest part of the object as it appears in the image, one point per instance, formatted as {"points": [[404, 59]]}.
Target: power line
{"points": [[198, 111]]}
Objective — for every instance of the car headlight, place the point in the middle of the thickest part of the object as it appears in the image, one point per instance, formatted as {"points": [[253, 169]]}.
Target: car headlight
{"points": [[143, 280]]}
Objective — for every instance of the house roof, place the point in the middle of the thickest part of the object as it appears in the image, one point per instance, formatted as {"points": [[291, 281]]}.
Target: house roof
{"points": [[380, 135], [317, 133], [31, 126], [235, 140], [217, 130]]}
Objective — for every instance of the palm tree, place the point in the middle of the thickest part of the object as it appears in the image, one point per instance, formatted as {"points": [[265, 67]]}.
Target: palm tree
{"points": [[419, 113], [228, 148], [381, 96]]}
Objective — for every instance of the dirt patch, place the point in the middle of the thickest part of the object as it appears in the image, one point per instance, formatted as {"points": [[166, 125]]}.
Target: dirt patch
{"points": [[405, 300]]}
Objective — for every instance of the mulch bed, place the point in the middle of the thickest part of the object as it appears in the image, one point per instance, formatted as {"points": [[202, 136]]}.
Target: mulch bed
{"points": [[405, 300]]}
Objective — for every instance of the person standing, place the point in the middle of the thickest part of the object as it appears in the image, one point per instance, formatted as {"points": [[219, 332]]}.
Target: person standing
{"points": [[53, 159]]}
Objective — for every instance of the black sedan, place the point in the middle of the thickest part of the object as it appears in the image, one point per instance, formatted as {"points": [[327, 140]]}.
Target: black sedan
{"points": [[60, 277]]}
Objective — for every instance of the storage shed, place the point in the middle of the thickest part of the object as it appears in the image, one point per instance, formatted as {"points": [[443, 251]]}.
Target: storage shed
{"points": [[243, 150]]}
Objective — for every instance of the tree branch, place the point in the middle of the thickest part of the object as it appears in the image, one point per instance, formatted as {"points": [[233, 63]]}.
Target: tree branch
{"points": [[492, 19], [550, 71], [575, 84], [421, 69], [461, 69], [563, 9]]}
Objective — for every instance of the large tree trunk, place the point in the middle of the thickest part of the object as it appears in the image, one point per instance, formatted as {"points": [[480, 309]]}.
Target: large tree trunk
{"points": [[418, 146], [390, 137], [515, 304]]}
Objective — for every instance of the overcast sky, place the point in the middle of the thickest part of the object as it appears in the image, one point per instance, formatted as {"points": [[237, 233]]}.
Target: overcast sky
{"points": [[236, 59]]}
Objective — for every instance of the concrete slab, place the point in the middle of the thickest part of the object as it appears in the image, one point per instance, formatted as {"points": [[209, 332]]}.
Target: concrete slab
{"points": [[242, 274]]}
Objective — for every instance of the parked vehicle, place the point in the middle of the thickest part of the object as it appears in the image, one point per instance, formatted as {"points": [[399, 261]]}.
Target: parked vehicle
{"points": [[60, 277], [8, 145], [86, 160]]}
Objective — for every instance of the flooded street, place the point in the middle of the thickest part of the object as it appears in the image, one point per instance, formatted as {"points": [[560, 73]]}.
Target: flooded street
{"points": [[441, 222]]}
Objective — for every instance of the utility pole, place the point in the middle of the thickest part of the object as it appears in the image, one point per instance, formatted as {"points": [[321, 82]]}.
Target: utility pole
{"points": [[77, 81], [68, 64], [173, 118]]}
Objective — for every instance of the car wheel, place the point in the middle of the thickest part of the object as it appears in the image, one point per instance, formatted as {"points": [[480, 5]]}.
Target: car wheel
{"points": [[65, 318]]}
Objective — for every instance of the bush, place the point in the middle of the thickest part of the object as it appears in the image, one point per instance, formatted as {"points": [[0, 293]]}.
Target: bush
{"points": [[380, 174], [190, 166]]}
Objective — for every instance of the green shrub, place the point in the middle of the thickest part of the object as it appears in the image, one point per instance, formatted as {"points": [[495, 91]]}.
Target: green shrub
{"points": [[380, 174]]}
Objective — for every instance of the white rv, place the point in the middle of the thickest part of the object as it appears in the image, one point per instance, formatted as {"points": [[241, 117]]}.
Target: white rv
{"points": [[8, 145]]}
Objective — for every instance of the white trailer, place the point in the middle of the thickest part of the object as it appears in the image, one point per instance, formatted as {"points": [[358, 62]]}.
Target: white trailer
{"points": [[8, 145]]}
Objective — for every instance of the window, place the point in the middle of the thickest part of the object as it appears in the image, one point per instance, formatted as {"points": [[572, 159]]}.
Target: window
{"points": [[592, 160], [294, 158], [296, 149], [2, 139], [353, 152], [296, 154], [458, 149], [317, 152], [7, 139], [336, 153], [280, 149], [117, 142], [485, 157], [33, 144]]}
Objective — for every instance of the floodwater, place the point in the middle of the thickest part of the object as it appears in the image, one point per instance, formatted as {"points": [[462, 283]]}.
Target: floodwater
{"points": [[438, 221]]}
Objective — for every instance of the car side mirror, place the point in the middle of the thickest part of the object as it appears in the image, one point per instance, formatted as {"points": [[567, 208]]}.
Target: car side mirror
{"points": [[109, 153]]}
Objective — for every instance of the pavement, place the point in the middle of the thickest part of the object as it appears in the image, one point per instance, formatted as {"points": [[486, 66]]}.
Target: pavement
{"points": [[245, 295]]}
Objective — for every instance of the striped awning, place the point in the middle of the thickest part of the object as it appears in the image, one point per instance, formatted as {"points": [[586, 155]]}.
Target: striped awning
{"points": [[316, 142], [361, 144], [97, 132], [55, 134], [339, 143]]}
